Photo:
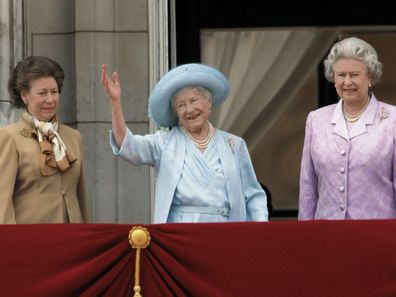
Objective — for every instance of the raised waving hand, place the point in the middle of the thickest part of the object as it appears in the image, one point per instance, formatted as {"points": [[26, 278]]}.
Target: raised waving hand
{"points": [[112, 87]]}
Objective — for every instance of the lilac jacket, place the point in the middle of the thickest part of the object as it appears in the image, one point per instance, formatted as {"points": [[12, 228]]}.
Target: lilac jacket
{"points": [[349, 174]]}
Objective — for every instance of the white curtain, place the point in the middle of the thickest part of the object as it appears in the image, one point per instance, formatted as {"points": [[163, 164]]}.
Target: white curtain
{"points": [[265, 70]]}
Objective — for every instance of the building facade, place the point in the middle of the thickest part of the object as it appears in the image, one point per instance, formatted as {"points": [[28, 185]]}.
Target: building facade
{"points": [[81, 35]]}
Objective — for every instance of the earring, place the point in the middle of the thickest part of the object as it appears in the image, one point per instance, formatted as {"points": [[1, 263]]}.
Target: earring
{"points": [[24, 99], [369, 85]]}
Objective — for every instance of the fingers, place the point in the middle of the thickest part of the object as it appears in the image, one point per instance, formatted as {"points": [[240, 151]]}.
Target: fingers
{"points": [[104, 76], [111, 85], [114, 78]]}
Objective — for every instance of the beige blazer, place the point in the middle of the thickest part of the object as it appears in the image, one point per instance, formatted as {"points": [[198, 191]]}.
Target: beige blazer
{"points": [[28, 197]]}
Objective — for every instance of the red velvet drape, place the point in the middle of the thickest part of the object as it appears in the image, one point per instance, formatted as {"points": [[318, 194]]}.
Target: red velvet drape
{"points": [[276, 259]]}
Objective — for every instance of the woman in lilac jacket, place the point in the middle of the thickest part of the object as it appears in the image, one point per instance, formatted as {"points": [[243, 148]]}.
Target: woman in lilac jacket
{"points": [[348, 162]]}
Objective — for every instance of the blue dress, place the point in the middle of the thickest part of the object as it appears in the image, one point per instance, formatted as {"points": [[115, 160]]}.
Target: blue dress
{"points": [[224, 174], [201, 184]]}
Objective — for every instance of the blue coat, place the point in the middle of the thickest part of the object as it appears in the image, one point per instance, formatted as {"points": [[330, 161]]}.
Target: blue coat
{"points": [[165, 151]]}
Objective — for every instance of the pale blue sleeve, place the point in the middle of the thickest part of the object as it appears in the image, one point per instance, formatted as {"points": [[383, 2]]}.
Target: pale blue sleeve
{"points": [[140, 149], [255, 197]]}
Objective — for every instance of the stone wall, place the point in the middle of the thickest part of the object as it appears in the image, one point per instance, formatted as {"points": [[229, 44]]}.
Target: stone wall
{"points": [[82, 35]]}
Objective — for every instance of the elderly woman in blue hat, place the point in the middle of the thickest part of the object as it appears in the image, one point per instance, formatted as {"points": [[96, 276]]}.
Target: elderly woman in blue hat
{"points": [[203, 174]]}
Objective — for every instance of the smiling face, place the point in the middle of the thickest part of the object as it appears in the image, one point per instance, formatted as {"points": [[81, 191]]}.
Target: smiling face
{"points": [[351, 81], [42, 99], [193, 108]]}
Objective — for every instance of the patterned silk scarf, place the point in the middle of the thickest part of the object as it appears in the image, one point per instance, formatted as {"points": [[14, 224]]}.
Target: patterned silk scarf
{"points": [[53, 155]]}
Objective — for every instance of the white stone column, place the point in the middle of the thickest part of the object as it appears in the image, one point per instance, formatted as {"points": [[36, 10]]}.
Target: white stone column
{"points": [[128, 37], [11, 48], [4, 48], [158, 57]]}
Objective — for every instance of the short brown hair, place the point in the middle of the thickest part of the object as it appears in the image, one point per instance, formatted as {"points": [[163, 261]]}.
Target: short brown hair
{"points": [[29, 69]]}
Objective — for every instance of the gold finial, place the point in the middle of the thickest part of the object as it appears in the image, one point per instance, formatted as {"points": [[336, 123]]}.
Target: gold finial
{"points": [[139, 238]]}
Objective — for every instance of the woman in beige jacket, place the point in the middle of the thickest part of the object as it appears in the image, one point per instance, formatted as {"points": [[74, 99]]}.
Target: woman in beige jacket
{"points": [[41, 160]]}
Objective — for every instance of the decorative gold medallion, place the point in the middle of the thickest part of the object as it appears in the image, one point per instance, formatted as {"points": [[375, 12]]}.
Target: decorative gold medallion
{"points": [[139, 237]]}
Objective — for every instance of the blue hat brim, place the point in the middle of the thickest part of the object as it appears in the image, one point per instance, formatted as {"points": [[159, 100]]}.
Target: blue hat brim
{"points": [[198, 75]]}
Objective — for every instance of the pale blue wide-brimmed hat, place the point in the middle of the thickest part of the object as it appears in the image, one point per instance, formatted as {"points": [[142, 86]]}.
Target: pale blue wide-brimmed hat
{"points": [[198, 75]]}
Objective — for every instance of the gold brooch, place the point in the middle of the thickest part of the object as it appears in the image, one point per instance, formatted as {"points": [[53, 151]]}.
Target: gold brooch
{"points": [[383, 113], [232, 143], [27, 132]]}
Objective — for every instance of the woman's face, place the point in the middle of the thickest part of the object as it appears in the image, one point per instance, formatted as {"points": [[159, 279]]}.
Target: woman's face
{"points": [[351, 80], [192, 108], [42, 99]]}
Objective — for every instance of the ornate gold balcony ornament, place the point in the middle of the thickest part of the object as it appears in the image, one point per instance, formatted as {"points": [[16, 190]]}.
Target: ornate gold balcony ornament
{"points": [[139, 238]]}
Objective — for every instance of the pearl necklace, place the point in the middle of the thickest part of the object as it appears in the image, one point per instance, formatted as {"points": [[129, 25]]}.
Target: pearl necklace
{"points": [[201, 144], [354, 118]]}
